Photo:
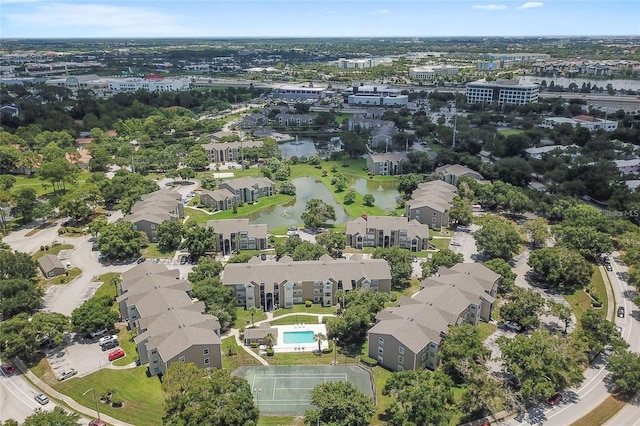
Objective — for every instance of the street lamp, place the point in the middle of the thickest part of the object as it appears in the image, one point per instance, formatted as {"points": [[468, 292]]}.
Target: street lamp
{"points": [[95, 400], [257, 392], [335, 351]]}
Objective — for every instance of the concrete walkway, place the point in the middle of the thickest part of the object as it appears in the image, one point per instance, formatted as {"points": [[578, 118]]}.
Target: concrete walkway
{"points": [[64, 399], [236, 333]]}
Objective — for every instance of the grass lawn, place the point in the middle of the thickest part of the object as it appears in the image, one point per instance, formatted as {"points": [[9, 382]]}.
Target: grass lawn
{"points": [[295, 319], [380, 377], [243, 317], [602, 413], [486, 330], [142, 396], [507, 132], [246, 210], [440, 243], [581, 302], [238, 356], [598, 287], [125, 341], [307, 358], [152, 251], [63, 279], [316, 308], [108, 288], [43, 188], [52, 250]]}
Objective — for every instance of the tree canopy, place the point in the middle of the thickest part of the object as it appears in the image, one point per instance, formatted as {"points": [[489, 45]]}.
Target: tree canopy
{"points": [[94, 314], [524, 307], [120, 241], [560, 267], [317, 213], [339, 403], [399, 260], [498, 239], [445, 257]]}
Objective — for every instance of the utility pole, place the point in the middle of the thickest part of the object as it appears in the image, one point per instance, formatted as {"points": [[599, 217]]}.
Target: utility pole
{"points": [[455, 125], [95, 400]]}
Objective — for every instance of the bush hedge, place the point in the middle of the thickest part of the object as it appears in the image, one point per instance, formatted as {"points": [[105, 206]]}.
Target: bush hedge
{"points": [[368, 361], [270, 351], [308, 303]]}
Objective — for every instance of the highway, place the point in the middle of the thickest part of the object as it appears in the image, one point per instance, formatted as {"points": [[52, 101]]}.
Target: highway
{"points": [[16, 398]]}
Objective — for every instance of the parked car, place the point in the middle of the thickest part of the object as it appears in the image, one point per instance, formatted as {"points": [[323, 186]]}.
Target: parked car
{"points": [[8, 369], [608, 267], [42, 399], [97, 422], [620, 311], [109, 345], [106, 339], [67, 373], [606, 260], [183, 260], [98, 333], [263, 256], [513, 326], [608, 350], [141, 260], [118, 353], [555, 399], [619, 329]]}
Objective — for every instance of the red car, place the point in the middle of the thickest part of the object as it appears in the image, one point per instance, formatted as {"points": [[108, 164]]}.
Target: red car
{"points": [[118, 353], [8, 369], [556, 398]]}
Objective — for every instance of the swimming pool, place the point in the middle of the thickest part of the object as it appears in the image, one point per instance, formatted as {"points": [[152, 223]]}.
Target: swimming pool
{"points": [[298, 337]]}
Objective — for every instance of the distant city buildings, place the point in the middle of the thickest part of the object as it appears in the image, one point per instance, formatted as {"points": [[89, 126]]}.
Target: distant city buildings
{"points": [[360, 62], [586, 121], [502, 92], [377, 95], [109, 86], [431, 72]]}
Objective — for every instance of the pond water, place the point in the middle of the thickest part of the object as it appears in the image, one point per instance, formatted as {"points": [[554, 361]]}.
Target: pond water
{"points": [[307, 188], [298, 149]]}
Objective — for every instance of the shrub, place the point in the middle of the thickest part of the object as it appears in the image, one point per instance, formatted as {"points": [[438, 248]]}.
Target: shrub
{"points": [[327, 350], [254, 345], [308, 303], [368, 361], [270, 351], [393, 297]]}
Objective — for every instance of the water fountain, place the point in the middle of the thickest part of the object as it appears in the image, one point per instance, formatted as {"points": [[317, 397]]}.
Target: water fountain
{"points": [[285, 214], [380, 188]]}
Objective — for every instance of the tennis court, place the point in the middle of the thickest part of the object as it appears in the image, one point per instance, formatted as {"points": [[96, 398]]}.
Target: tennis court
{"points": [[284, 390]]}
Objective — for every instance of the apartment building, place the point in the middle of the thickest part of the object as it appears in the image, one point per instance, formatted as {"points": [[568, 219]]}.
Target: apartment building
{"points": [[220, 199], [170, 326], [249, 189], [451, 172], [286, 119], [388, 164], [408, 337], [154, 209], [219, 152], [238, 234], [387, 231], [502, 92], [271, 284], [430, 203]]}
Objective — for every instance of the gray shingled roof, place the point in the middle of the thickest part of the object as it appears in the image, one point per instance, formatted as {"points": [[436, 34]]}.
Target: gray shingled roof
{"points": [[143, 269], [219, 194], [387, 223], [226, 227], [48, 262], [182, 339], [411, 335]]}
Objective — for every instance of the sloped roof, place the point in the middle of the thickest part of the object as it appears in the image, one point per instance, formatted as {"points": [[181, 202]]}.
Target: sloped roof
{"points": [[49, 262], [182, 339]]}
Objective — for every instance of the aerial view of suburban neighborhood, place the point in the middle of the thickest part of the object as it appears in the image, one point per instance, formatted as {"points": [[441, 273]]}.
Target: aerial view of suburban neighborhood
{"points": [[305, 224]]}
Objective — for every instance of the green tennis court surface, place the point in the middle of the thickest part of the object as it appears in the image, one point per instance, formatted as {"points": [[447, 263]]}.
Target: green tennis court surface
{"points": [[284, 390]]}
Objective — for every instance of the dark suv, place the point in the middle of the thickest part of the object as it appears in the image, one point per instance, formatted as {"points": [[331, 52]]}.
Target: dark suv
{"points": [[621, 312]]}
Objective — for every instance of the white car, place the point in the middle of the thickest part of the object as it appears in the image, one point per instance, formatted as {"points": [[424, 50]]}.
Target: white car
{"points": [[106, 339], [513, 326]]}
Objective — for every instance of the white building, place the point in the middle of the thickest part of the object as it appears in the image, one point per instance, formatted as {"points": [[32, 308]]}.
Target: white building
{"points": [[518, 57], [377, 95], [300, 93], [586, 121], [430, 72], [360, 63], [502, 92]]}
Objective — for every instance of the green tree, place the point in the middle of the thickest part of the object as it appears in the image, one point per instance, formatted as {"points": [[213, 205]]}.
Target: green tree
{"points": [[339, 403], [587, 240], [502, 268], [319, 337], [445, 257], [340, 182], [24, 203], [206, 268], [197, 158], [18, 337], [560, 267], [538, 230], [485, 394], [463, 352], [368, 200], [7, 182], [94, 314], [421, 397], [409, 183], [523, 307], [307, 250], [542, 363], [52, 325], [58, 417], [218, 299], [16, 265], [169, 235], [317, 213], [461, 212], [198, 240], [59, 172], [19, 295], [625, 371], [351, 326], [561, 311], [214, 397], [597, 332], [81, 203], [350, 196], [120, 241], [498, 238], [44, 211], [334, 242], [399, 261], [287, 188]]}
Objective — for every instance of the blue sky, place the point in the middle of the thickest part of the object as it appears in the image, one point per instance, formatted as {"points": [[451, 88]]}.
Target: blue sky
{"points": [[310, 18]]}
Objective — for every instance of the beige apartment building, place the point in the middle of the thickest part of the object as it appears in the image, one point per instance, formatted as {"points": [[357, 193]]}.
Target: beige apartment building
{"points": [[387, 231]]}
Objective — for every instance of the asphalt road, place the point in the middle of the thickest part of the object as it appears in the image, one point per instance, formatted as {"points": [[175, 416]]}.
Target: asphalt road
{"points": [[16, 398]]}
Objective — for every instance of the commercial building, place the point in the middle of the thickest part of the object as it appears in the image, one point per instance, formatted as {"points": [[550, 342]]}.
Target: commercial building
{"points": [[431, 72], [360, 63], [377, 95], [586, 121], [408, 337], [387, 231], [271, 284], [519, 57], [502, 92], [170, 326], [300, 93]]}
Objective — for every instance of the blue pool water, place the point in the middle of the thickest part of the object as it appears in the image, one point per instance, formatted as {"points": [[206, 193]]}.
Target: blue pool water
{"points": [[298, 337]]}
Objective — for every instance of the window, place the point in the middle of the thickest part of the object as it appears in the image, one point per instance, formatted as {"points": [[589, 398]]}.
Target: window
{"points": [[380, 341], [205, 351], [400, 360], [154, 351], [207, 361], [380, 360], [182, 359], [401, 350], [380, 350]]}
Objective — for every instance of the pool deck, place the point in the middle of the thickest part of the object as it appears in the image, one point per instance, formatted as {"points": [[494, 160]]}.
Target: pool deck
{"points": [[280, 346]]}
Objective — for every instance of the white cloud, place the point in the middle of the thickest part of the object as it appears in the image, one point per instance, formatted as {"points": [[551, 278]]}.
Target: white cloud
{"points": [[490, 6], [531, 5], [104, 20], [380, 12]]}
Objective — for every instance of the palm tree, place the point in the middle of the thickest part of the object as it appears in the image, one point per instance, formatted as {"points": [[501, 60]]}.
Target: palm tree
{"points": [[340, 295], [252, 311], [319, 337], [269, 338]]}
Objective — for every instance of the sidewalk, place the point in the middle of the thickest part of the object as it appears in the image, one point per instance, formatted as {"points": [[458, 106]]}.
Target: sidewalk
{"points": [[62, 399]]}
